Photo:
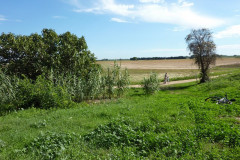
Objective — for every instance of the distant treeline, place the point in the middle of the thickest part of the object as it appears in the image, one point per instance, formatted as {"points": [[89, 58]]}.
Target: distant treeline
{"points": [[158, 58], [105, 59]]}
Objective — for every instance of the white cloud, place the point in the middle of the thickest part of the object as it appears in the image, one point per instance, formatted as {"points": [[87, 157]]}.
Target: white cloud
{"points": [[232, 31], [108, 6], [231, 46], [2, 18], [184, 3], [152, 1], [118, 20], [179, 13], [232, 49]]}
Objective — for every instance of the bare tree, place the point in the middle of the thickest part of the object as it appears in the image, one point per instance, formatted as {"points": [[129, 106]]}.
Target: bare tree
{"points": [[203, 49]]}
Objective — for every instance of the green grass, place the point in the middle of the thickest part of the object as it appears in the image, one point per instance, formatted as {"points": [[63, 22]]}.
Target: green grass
{"points": [[175, 123]]}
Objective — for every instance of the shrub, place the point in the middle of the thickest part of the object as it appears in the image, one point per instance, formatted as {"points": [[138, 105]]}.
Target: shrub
{"points": [[151, 84], [24, 93]]}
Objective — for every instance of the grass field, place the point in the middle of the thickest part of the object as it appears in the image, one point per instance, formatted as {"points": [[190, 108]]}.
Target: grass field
{"points": [[175, 123], [176, 69]]}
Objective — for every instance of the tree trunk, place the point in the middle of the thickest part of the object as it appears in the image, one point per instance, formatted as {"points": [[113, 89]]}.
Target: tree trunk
{"points": [[204, 76]]}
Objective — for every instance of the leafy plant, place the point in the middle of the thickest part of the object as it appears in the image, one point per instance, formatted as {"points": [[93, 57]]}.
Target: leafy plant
{"points": [[49, 145], [123, 133], [151, 84], [41, 94]]}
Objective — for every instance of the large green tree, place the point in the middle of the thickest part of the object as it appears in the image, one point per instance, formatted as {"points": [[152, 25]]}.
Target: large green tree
{"points": [[203, 49], [35, 54]]}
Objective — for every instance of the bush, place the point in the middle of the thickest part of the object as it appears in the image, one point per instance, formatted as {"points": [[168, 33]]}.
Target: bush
{"points": [[41, 94], [151, 84], [24, 93]]}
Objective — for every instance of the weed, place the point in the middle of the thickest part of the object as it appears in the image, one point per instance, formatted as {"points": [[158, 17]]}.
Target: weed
{"points": [[151, 84], [40, 124], [49, 145]]}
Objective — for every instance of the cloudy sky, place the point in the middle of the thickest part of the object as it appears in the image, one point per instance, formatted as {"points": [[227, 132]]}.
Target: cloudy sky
{"points": [[128, 28]]}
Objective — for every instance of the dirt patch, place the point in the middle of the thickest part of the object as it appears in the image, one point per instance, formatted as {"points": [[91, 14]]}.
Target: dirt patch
{"points": [[168, 83], [237, 118]]}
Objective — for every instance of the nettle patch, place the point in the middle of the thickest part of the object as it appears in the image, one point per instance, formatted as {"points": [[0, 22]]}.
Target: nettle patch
{"points": [[146, 138]]}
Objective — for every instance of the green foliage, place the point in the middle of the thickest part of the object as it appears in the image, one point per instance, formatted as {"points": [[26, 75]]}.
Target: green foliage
{"points": [[40, 124], [24, 93], [122, 133], [97, 85], [2, 145], [36, 54], [49, 145], [151, 84], [58, 90], [115, 79], [176, 123], [203, 49], [41, 94], [8, 85]]}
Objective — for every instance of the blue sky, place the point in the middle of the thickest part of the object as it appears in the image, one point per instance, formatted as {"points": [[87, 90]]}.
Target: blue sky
{"points": [[126, 28]]}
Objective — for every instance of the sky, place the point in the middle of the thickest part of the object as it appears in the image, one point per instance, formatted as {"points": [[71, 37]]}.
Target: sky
{"points": [[121, 29]]}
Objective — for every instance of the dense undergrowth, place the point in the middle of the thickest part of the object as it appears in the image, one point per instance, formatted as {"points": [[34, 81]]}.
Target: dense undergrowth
{"points": [[179, 122], [55, 90]]}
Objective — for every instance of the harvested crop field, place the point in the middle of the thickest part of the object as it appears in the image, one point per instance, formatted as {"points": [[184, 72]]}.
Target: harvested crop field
{"points": [[179, 69], [167, 64]]}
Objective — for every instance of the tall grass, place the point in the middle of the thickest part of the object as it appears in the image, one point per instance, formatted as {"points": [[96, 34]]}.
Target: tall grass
{"points": [[8, 86], [58, 90], [97, 85]]}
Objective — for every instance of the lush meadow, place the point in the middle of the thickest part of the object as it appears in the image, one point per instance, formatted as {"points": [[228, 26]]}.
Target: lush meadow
{"points": [[56, 102], [178, 122]]}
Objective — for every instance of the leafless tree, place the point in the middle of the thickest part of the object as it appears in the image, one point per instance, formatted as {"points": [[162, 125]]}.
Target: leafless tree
{"points": [[203, 49]]}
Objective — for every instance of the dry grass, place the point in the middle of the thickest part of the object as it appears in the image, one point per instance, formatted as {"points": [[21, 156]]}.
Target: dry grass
{"points": [[176, 69], [166, 64]]}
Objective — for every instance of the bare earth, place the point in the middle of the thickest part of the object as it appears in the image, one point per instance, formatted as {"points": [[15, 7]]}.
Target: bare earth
{"points": [[167, 64], [173, 82], [169, 83]]}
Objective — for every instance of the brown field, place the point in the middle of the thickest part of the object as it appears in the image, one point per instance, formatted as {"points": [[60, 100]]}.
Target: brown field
{"points": [[167, 64], [176, 69]]}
